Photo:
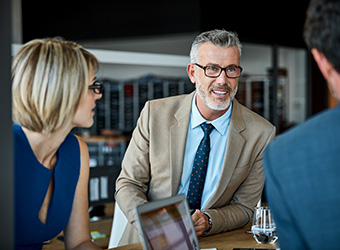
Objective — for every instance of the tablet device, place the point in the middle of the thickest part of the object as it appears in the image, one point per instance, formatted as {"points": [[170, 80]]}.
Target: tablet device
{"points": [[166, 224]]}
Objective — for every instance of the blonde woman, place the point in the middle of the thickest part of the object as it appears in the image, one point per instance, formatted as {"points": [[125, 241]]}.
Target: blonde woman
{"points": [[54, 89]]}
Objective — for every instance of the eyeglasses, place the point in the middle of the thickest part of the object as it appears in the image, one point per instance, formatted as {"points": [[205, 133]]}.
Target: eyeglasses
{"points": [[215, 71], [97, 87]]}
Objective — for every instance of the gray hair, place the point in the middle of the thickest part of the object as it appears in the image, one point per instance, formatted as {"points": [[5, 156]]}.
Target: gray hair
{"points": [[216, 37]]}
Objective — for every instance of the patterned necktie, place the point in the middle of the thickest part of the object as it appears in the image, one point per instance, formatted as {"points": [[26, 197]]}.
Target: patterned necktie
{"points": [[199, 169]]}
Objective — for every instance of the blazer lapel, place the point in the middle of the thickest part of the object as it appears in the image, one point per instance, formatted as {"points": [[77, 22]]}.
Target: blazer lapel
{"points": [[178, 136], [233, 152]]}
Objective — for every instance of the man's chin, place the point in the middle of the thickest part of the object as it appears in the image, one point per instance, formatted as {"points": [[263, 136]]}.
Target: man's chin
{"points": [[218, 104]]}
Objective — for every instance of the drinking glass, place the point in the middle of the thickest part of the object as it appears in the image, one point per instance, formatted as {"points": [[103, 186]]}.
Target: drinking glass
{"points": [[264, 228]]}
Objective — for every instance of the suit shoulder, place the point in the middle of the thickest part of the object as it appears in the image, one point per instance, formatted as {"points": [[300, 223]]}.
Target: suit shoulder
{"points": [[172, 100], [253, 119], [319, 126], [169, 104], [318, 136]]}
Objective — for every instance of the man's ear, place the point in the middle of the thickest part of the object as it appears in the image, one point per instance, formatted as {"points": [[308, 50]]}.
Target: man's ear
{"points": [[329, 73], [191, 72], [324, 65]]}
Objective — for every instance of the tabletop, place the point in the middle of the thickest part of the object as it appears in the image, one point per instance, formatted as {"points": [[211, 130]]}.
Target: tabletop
{"points": [[239, 238]]}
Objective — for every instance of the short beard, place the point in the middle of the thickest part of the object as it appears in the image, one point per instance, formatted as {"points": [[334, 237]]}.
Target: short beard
{"points": [[223, 105]]}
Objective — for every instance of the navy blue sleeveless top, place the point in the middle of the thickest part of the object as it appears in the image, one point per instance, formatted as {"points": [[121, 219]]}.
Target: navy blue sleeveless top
{"points": [[31, 183]]}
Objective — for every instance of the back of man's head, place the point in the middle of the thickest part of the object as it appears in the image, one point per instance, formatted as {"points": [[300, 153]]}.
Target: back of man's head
{"points": [[322, 29]]}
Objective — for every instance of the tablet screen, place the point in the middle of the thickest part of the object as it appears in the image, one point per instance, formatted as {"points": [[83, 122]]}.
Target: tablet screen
{"points": [[169, 228]]}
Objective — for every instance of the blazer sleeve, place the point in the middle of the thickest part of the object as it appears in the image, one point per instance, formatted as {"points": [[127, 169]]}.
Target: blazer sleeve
{"points": [[288, 230], [132, 183], [240, 209]]}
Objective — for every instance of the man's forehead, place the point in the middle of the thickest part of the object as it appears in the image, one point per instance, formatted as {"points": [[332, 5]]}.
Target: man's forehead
{"points": [[217, 54]]}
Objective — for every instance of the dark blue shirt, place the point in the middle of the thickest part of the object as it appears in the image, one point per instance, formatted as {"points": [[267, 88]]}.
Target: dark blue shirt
{"points": [[32, 180]]}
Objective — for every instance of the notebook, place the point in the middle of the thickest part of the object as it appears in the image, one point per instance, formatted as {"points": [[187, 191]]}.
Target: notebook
{"points": [[166, 224]]}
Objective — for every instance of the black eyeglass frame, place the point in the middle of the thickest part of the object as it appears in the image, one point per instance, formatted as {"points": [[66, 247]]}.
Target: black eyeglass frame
{"points": [[97, 87], [221, 69]]}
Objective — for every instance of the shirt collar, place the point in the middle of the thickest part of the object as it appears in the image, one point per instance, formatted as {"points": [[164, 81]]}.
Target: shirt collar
{"points": [[220, 124]]}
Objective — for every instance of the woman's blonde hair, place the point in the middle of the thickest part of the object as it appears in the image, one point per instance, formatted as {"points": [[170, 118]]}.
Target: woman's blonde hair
{"points": [[50, 77]]}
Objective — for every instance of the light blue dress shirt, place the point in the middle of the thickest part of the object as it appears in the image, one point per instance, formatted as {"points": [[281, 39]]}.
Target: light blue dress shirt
{"points": [[218, 143]]}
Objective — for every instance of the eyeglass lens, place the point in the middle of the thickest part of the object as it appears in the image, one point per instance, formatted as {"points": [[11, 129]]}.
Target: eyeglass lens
{"points": [[97, 87], [215, 71]]}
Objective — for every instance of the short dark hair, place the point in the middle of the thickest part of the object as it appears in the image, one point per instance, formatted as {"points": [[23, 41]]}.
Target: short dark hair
{"points": [[322, 29]]}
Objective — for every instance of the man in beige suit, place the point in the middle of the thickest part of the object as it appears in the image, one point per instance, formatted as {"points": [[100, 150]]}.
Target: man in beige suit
{"points": [[160, 156]]}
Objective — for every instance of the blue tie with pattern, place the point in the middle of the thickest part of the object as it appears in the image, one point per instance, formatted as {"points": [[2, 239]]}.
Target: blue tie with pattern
{"points": [[199, 169]]}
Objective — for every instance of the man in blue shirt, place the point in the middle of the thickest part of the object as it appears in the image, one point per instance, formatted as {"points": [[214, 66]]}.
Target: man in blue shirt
{"points": [[302, 166], [168, 143]]}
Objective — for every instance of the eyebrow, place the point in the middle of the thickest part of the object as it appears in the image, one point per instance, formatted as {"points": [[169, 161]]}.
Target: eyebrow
{"points": [[214, 64], [93, 81]]}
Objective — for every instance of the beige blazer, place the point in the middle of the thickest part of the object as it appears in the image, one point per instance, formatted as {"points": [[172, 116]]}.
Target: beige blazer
{"points": [[152, 165]]}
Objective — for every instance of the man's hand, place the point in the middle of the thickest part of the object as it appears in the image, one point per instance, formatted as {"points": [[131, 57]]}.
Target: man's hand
{"points": [[201, 222]]}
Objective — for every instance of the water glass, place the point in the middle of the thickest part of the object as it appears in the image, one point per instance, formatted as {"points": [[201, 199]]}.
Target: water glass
{"points": [[264, 228]]}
